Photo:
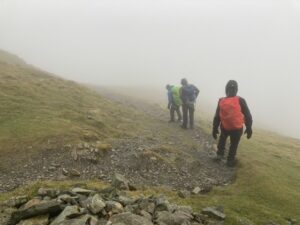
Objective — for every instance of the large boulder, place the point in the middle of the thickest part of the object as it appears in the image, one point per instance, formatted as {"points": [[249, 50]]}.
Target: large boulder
{"points": [[130, 219]]}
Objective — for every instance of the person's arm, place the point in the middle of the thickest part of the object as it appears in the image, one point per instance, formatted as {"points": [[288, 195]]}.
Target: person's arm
{"points": [[248, 117], [183, 95], [170, 99], [216, 122], [196, 90]]}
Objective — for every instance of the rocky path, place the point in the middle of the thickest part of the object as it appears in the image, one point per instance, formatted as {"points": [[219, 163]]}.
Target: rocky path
{"points": [[162, 154]]}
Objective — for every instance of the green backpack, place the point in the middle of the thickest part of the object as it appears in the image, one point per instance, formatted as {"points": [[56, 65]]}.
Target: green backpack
{"points": [[176, 95]]}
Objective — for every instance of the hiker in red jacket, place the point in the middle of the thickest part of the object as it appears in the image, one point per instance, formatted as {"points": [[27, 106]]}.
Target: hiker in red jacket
{"points": [[231, 114]]}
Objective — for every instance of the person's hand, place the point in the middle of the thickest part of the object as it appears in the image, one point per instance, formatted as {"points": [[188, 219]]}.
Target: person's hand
{"points": [[215, 133], [248, 131]]}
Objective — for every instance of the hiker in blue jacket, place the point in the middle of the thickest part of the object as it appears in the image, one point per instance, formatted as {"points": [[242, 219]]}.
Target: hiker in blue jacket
{"points": [[189, 94]]}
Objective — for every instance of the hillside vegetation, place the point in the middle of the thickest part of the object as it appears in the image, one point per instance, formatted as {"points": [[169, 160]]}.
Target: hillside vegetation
{"points": [[39, 109]]}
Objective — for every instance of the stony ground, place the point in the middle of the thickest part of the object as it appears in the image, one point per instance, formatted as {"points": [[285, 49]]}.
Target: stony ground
{"points": [[161, 154], [110, 206]]}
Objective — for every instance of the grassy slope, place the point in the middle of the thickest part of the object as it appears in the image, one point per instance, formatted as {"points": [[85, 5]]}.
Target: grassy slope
{"points": [[36, 107], [266, 188]]}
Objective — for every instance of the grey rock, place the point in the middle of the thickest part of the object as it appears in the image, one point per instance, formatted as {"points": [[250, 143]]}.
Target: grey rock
{"points": [[184, 194], [146, 215], [65, 172], [132, 187], [177, 218], [82, 191], [82, 220], [131, 208], [114, 207], [36, 210], [214, 212], [147, 205], [65, 198], [120, 182], [186, 209], [97, 204], [162, 204], [16, 201], [47, 198], [69, 212], [130, 219], [5, 214], [125, 200], [31, 203], [39, 220], [292, 221], [74, 173], [214, 222], [196, 190], [52, 168], [50, 192]]}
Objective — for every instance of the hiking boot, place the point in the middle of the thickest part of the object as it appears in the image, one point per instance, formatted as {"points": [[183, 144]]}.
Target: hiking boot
{"points": [[218, 158], [183, 127], [231, 163]]}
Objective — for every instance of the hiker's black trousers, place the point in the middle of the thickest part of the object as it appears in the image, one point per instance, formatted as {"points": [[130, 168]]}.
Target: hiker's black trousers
{"points": [[235, 137], [188, 114], [175, 108]]}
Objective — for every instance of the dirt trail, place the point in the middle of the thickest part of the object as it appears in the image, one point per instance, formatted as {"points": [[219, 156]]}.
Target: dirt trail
{"points": [[162, 154]]}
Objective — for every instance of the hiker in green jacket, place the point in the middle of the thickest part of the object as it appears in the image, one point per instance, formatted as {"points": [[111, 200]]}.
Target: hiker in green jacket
{"points": [[174, 102]]}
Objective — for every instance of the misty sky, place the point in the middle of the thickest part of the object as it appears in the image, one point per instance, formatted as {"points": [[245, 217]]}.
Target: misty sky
{"points": [[154, 42]]}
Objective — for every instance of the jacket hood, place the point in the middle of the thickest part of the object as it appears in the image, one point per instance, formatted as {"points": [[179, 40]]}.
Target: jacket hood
{"points": [[231, 88]]}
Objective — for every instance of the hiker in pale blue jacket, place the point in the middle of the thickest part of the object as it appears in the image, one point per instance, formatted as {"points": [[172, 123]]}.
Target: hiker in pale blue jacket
{"points": [[174, 102]]}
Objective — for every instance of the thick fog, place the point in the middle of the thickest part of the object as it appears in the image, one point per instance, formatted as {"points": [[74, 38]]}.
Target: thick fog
{"points": [[155, 42]]}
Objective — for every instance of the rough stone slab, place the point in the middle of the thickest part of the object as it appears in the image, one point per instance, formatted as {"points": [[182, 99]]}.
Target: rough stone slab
{"points": [[83, 220], [130, 219], [16, 201], [177, 218], [214, 213], [53, 193], [68, 213], [82, 191], [196, 191], [39, 220], [36, 210]]}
